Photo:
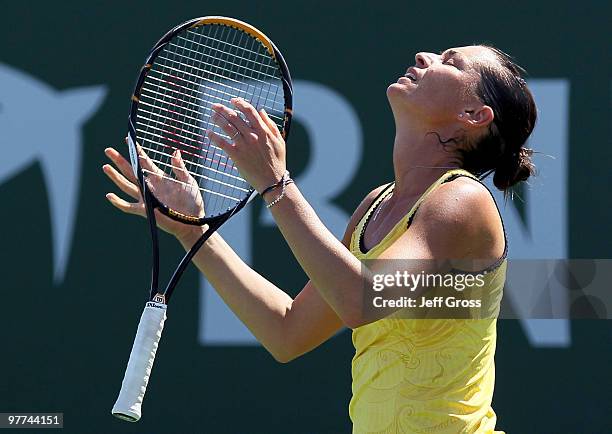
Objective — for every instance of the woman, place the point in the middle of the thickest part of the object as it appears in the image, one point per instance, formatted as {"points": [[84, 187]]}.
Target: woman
{"points": [[459, 115]]}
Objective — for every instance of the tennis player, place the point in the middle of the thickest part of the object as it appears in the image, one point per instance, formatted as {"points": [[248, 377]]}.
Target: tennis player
{"points": [[459, 116]]}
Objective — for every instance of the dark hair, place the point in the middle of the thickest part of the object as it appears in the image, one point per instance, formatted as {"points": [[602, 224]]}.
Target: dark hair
{"points": [[501, 150]]}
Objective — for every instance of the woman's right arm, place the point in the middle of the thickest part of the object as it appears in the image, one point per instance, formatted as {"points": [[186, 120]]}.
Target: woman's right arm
{"points": [[286, 327]]}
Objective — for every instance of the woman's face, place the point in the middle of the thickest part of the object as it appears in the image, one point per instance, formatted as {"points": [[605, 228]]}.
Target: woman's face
{"points": [[440, 86]]}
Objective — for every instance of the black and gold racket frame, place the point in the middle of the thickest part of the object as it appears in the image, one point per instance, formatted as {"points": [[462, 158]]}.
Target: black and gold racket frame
{"points": [[151, 202]]}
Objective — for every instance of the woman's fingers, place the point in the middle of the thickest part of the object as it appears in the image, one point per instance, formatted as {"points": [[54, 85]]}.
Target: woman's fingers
{"points": [[251, 114], [122, 164], [136, 208], [179, 169], [225, 125], [258, 124], [229, 116], [120, 181], [220, 142], [146, 163], [126, 181], [270, 123]]}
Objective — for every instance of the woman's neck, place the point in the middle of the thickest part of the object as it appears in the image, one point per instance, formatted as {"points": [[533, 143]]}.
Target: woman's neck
{"points": [[419, 159]]}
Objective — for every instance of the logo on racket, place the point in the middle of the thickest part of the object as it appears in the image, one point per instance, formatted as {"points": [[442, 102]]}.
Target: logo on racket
{"points": [[184, 216], [133, 158], [159, 298]]}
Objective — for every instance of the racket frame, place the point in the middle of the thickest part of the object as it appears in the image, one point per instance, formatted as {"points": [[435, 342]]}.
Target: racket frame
{"points": [[150, 59], [151, 202], [128, 404]]}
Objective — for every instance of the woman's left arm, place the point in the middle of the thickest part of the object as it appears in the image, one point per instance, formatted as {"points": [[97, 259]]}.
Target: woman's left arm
{"points": [[443, 229], [259, 153], [335, 272]]}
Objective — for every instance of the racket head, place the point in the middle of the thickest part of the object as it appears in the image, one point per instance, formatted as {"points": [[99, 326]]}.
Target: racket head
{"points": [[200, 62]]}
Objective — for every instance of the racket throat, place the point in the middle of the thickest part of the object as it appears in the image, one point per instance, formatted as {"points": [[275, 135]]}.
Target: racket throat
{"points": [[189, 256]]}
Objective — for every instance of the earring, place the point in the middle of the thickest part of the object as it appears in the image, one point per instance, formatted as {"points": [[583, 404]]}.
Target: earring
{"points": [[460, 115]]}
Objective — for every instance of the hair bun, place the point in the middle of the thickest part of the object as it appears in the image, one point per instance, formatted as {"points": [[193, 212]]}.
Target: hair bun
{"points": [[514, 168]]}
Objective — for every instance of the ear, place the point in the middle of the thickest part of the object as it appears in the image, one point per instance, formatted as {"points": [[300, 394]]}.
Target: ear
{"points": [[477, 117]]}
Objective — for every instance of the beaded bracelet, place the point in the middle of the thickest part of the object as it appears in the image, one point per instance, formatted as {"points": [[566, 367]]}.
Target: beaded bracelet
{"points": [[275, 185], [284, 182]]}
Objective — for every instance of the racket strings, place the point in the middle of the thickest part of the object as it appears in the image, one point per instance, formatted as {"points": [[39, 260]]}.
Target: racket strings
{"points": [[228, 89], [196, 106], [235, 73], [228, 62], [201, 166], [186, 91], [197, 134], [193, 152], [262, 53], [198, 67], [189, 185]]}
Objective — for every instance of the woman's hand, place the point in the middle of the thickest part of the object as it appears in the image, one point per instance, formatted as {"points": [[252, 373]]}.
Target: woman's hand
{"points": [[125, 180], [258, 148]]}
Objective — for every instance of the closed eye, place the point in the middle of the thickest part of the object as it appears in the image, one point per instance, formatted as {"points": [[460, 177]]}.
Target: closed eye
{"points": [[450, 62], [448, 59]]}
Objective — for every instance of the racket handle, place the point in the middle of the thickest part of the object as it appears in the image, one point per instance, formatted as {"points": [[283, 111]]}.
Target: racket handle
{"points": [[134, 385]]}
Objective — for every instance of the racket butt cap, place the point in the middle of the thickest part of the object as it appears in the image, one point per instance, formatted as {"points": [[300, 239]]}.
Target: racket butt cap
{"points": [[132, 417]]}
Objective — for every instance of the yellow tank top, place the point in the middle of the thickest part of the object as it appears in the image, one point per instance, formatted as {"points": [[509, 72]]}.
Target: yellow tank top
{"points": [[424, 375]]}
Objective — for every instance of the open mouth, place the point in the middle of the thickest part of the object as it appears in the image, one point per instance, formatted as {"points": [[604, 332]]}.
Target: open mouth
{"points": [[410, 76]]}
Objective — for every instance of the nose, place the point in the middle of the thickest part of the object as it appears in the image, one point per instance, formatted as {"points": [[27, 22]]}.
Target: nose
{"points": [[423, 59]]}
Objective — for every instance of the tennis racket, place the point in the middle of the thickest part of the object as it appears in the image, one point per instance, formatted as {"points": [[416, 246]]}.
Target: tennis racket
{"points": [[180, 172]]}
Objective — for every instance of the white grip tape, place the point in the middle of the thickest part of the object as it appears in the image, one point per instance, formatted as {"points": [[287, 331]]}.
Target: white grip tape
{"points": [[134, 385]]}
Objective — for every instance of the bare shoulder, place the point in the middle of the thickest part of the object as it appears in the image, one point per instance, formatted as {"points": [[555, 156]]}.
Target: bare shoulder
{"points": [[461, 215], [460, 195]]}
